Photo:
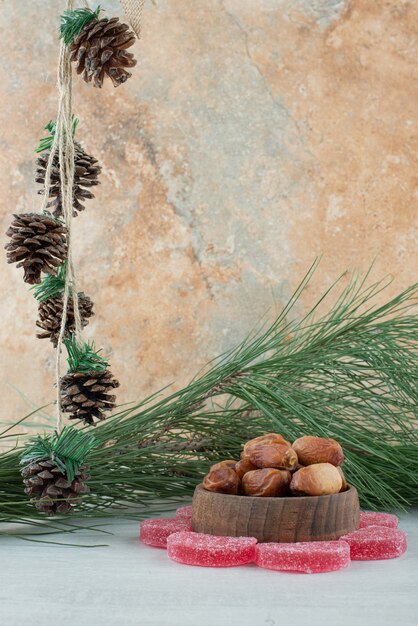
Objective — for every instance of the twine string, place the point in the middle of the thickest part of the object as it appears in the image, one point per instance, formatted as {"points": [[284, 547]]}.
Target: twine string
{"points": [[63, 145], [133, 10]]}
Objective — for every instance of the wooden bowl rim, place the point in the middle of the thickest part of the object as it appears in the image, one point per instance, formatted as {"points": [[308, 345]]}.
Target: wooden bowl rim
{"points": [[350, 488]]}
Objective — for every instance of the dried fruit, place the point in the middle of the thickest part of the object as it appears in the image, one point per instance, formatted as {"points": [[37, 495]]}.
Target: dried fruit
{"points": [[222, 478], [210, 551], [296, 468], [310, 557], [279, 456], [268, 438], [343, 478], [312, 450], [316, 480], [266, 482], [243, 466]]}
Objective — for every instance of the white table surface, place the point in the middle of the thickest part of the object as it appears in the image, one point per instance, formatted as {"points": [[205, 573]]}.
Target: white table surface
{"points": [[128, 583]]}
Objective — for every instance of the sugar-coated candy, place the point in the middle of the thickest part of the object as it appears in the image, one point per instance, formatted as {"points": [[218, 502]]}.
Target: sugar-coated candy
{"points": [[210, 551], [374, 543], [184, 512], [309, 557], [369, 518], [154, 532]]}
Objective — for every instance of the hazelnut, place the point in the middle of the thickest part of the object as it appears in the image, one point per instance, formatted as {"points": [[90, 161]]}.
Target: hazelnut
{"points": [[266, 482], [343, 478], [243, 466], [279, 456], [312, 450], [316, 480], [222, 478]]}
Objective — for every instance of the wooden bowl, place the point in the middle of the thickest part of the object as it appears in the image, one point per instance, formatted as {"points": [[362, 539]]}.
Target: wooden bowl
{"points": [[286, 520]]}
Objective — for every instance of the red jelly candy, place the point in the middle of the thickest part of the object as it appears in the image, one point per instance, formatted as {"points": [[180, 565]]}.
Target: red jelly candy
{"points": [[368, 518], [210, 551], [376, 542], [184, 512], [310, 557], [154, 532]]}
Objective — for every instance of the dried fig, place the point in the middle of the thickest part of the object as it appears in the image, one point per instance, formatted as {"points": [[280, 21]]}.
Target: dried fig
{"points": [[312, 450], [316, 480], [222, 478], [266, 482], [279, 456]]}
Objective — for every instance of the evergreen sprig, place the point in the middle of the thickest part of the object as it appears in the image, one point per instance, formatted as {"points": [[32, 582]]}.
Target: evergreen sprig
{"points": [[73, 22], [350, 373], [46, 142], [51, 286], [84, 358], [68, 450]]}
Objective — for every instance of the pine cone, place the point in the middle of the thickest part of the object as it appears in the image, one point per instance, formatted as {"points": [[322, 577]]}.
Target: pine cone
{"points": [[50, 315], [100, 49], [50, 490], [87, 170], [86, 395], [38, 244]]}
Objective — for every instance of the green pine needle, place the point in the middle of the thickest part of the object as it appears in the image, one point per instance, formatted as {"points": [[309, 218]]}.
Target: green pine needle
{"points": [[68, 450], [50, 286], [350, 373], [84, 358], [73, 22], [46, 142]]}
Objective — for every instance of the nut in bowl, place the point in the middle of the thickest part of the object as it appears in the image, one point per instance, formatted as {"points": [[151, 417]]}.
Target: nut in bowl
{"points": [[277, 494]]}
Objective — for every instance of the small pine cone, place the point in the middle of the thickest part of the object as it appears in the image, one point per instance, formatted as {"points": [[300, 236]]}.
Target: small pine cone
{"points": [[87, 170], [86, 395], [99, 50], [38, 244], [50, 315], [49, 488]]}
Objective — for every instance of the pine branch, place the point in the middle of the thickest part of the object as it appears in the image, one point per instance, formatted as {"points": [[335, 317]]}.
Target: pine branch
{"points": [[46, 142], [51, 286], [350, 374], [84, 358], [73, 22], [68, 450]]}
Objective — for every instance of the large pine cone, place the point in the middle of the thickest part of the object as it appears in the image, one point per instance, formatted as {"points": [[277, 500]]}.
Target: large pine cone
{"points": [[38, 244], [50, 490], [86, 395], [87, 170], [50, 315], [99, 50]]}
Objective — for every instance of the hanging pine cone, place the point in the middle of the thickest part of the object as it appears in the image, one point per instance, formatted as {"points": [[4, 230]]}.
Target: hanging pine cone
{"points": [[49, 488], [50, 315], [38, 244], [86, 395], [99, 50], [87, 170]]}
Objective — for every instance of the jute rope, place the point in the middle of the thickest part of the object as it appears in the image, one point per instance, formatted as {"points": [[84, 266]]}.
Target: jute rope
{"points": [[63, 144], [133, 10]]}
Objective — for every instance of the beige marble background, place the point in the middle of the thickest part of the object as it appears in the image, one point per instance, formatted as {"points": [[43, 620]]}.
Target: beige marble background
{"points": [[253, 135]]}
